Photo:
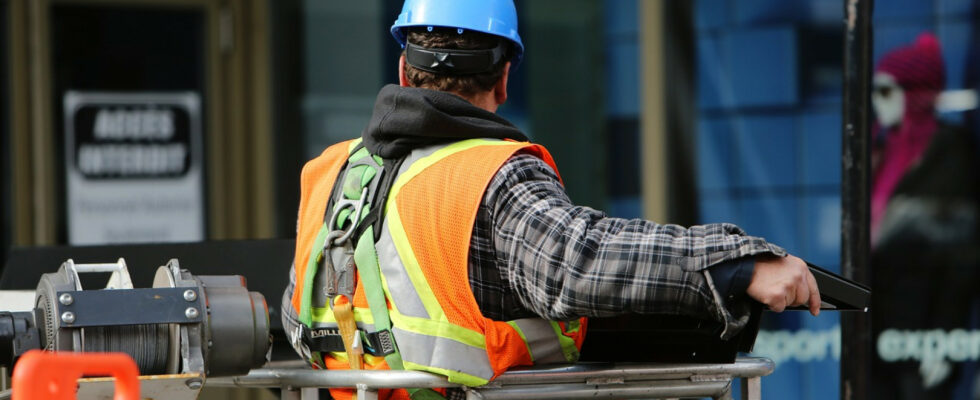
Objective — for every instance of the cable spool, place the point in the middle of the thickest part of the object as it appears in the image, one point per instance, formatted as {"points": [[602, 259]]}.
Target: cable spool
{"points": [[47, 324], [209, 324], [149, 345]]}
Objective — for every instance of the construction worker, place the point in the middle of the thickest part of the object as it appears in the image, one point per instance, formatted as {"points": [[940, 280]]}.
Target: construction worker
{"points": [[442, 241]]}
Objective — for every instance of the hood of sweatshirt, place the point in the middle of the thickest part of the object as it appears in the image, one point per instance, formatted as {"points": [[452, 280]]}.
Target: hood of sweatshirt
{"points": [[407, 118]]}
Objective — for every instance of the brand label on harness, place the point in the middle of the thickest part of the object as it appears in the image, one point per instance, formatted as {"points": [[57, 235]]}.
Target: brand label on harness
{"points": [[319, 333]]}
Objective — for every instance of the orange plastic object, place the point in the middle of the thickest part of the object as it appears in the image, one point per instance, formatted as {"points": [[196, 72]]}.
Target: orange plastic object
{"points": [[42, 375]]}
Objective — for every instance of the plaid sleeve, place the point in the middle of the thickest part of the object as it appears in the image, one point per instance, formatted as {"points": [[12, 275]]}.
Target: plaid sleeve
{"points": [[565, 261]]}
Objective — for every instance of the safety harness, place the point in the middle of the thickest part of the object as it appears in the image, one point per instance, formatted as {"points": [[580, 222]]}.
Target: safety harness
{"points": [[345, 249], [413, 310]]}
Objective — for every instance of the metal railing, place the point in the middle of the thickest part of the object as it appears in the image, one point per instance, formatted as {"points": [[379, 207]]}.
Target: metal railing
{"points": [[579, 381]]}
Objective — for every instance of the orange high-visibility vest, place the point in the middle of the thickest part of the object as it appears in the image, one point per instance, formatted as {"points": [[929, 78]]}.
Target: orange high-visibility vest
{"points": [[423, 257]]}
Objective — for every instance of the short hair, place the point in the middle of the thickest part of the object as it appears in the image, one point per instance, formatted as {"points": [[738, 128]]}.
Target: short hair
{"points": [[450, 38]]}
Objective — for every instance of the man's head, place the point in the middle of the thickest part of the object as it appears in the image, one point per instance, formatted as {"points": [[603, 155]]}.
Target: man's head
{"points": [[464, 47], [449, 39]]}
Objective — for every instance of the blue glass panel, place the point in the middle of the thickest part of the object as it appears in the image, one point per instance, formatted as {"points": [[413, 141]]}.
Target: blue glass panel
{"points": [[717, 207], [821, 229], [749, 12], [958, 8], [772, 216], [955, 40], [821, 151], [903, 10], [710, 14], [784, 382], [715, 154], [806, 351], [766, 151], [622, 78], [806, 356], [825, 12], [891, 36], [763, 66], [626, 207], [714, 85], [621, 17], [819, 353]]}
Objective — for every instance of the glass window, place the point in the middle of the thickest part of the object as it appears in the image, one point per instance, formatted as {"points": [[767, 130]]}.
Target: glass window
{"points": [[622, 109], [344, 65], [768, 148]]}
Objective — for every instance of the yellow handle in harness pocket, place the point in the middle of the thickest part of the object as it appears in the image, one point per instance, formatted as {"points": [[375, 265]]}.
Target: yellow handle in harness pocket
{"points": [[348, 332]]}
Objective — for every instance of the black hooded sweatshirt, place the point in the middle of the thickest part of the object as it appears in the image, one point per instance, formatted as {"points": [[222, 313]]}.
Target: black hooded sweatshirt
{"points": [[407, 118]]}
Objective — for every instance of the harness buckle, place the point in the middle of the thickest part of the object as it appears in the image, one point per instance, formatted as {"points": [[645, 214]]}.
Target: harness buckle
{"points": [[337, 263], [337, 255]]}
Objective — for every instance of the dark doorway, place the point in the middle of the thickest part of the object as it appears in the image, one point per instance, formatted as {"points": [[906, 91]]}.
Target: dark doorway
{"points": [[123, 48]]}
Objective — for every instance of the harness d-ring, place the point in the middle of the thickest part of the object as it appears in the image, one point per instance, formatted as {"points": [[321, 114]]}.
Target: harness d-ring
{"points": [[342, 205]]}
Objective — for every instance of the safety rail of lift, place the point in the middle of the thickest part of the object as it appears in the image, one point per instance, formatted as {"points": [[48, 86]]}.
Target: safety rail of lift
{"points": [[578, 381]]}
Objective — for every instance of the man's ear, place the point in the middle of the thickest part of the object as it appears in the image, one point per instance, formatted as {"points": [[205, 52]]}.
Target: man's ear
{"points": [[402, 79], [500, 89]]}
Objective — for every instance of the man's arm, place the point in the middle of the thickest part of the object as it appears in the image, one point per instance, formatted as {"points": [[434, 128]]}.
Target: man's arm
{"points": [[566, 261]]}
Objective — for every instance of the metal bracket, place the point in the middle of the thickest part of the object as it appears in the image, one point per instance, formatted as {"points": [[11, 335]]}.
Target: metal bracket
{"points": [[130, 307]]}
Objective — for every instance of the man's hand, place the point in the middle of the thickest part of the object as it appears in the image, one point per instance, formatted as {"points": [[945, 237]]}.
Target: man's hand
{"points": [[781, 282]]}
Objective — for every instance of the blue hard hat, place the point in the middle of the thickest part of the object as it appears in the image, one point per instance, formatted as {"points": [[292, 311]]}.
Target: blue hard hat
{"points": [[494, 17]]}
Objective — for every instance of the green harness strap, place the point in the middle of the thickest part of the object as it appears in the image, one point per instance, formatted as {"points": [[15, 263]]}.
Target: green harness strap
{"points": [[366, 259], [369, 270]]}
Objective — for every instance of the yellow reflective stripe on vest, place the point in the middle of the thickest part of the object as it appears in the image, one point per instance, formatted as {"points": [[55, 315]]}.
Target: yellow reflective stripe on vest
{"points": [[461, 378], [431, 344], [567, 344], [425, 326], [398, 235], [539, 336], [404, 298], [407, 255], [461, 363]]}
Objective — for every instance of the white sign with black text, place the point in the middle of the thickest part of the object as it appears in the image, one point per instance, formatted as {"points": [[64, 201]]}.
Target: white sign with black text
{"points": [[133, 167]]}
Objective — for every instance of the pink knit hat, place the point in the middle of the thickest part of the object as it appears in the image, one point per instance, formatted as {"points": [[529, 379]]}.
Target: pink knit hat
{"points": [[919, 69]]}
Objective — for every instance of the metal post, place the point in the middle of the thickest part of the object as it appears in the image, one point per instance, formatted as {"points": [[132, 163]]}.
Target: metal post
{"points": [[309, 394], [855, 188], [290, 394], [752, 388], [365, 393]]}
